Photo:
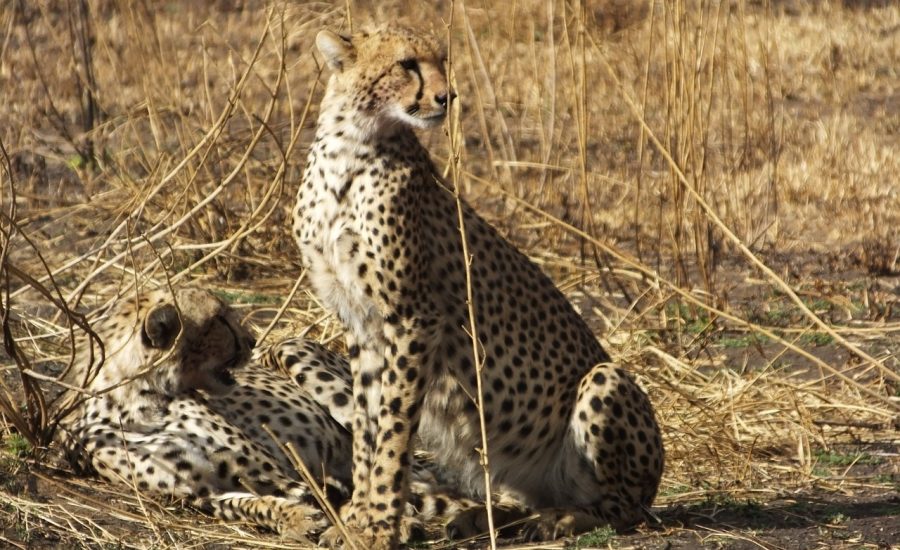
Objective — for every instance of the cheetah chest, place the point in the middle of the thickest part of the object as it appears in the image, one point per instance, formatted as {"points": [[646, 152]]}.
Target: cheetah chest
{"points": [[328, 233]]}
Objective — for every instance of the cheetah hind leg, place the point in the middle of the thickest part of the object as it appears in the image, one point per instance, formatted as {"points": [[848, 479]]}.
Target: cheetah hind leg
{"points": [[615, 453], [322, 373], [428, 508], [472, 521], [614, 458], [515, 521], [290, 519]]}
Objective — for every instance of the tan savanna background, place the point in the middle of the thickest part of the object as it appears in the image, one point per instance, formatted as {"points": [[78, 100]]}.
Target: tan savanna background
{"points": [[713, 183]]}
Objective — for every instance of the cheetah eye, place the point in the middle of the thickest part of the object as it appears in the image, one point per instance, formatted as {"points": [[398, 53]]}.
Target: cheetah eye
{"points": [[409, 64]]}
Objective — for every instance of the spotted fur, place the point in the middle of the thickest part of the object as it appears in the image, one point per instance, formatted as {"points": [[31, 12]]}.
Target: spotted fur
{"points": [[185, 418], [570, 434]]}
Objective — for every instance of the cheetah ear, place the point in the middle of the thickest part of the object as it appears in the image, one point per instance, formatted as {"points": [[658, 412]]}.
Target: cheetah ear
{"points": [[336, 49], [161, 327]]}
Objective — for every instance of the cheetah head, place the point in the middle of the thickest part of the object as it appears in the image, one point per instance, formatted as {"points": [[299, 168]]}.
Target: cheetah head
{"points": [[394, 75], [164, 344]]}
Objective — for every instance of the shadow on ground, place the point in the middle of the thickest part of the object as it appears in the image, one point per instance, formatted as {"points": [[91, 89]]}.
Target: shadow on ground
{"points": [[789, 522]]}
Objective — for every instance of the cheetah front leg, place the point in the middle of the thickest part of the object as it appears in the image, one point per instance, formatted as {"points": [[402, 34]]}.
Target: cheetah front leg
{"points": [[326, 377], [367, 363], [386, 393], [398, 416]]}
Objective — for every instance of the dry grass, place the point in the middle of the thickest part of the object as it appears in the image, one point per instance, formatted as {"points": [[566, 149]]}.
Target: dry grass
{"points": [[713, 184]]}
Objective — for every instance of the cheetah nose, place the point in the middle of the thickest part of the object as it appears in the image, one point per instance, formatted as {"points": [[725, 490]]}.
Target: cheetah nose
{"points": [[444, 98]]}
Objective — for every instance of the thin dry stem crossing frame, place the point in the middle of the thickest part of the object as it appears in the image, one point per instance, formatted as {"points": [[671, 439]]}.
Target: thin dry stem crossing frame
{"points": [[717, 221], [454, 136]]}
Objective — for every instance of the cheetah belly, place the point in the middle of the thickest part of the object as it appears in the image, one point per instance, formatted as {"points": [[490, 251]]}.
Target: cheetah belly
{"points": [[453, 435]]}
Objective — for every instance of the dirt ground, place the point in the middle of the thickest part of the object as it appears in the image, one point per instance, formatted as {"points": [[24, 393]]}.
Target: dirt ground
{"points": [[815, 518]]}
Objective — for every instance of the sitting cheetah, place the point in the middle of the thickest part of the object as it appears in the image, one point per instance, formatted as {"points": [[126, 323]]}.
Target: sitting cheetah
{"points": [[571, 436], [185, 418]]}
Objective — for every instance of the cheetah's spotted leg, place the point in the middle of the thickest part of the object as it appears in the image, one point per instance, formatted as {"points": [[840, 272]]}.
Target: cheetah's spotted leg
{"points": [[160, 462], [386, 410], [615, 452], [326, 377], [612, 418], [323, 374], [288, 518], [617, 444], [366, 365], [398, 412]]}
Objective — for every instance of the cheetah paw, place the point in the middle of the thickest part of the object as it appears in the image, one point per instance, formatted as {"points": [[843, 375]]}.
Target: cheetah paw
{"points": [[297, 522], [411, 529], [359, 539], [473, 522], [331, 538], [548, 527]]}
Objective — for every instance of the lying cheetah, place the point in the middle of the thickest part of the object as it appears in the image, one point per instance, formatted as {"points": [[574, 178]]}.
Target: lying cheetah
{"points": [[185, 418], [570, 435]]}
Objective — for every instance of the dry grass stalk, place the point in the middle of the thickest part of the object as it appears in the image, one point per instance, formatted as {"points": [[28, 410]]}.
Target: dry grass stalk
{"points": [[477, 355], [318, 492], [743, 248]]}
